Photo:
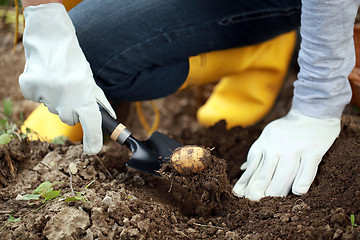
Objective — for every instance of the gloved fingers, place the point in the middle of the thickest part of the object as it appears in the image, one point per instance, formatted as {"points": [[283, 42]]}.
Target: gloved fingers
{"points": [[239, 188], [103, 102], [50, 108], [66, 116], [284, 176], [306, 174], [243, 166], [262, 177], [242, 183], [90, 119]]}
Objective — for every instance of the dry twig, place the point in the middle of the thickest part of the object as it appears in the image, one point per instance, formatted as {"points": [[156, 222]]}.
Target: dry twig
{"points": [[204, 225], [102, 164], [181, 233], [8, 161]]}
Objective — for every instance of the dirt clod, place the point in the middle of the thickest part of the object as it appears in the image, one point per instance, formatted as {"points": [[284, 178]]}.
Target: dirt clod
{"points": [[67, 224]]}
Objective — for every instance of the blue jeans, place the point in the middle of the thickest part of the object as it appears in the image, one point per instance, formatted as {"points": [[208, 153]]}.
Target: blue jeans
{"points": [[139, 49]]}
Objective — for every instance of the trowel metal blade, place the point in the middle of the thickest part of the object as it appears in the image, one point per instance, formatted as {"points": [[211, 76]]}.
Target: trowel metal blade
{"points": [[150, 154]]}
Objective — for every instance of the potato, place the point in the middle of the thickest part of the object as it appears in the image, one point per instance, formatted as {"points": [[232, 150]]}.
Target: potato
{"points": [[190, 159]]}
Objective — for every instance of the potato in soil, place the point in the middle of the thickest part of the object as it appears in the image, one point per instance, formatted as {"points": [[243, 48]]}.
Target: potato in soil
{"points": [[190, 159]]}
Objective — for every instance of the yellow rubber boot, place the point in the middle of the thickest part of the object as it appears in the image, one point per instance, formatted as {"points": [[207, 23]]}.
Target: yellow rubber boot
{"points": [[69, 4], [247, 91], [212, 66], [47, 126]]}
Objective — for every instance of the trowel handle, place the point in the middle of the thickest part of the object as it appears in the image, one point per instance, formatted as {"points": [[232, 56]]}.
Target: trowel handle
{"points": [[117, 131]]}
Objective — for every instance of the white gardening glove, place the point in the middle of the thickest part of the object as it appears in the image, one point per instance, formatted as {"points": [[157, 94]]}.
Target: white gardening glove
{"points": [[57, 73], [286, 155]]}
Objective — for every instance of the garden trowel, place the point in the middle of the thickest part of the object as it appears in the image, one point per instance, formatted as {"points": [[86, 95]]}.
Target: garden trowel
{"points": [[147, 156]]}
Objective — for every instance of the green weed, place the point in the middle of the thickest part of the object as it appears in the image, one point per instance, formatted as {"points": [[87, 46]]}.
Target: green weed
{"points": [[352, 220], [60, 140], [45, 193], [9, 128], [13, 220]]}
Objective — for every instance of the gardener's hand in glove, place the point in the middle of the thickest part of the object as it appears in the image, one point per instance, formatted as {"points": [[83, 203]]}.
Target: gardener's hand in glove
{"points": [[286, 156], [57, 73]]}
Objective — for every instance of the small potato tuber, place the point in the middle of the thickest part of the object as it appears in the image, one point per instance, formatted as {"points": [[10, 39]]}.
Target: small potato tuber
{"points": [[190, 159]]}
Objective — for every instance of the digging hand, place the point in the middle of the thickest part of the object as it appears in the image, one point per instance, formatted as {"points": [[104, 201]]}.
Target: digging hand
{"points": [[286, 155], [57, 73]]}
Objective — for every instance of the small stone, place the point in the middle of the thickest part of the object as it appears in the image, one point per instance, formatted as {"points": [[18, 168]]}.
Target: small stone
{"points": [[132, 198], [230, 235], [285, 217], [295, 218], [144, 226], [173, 219], [126, 222], [73, 168], [107, 201], [337, 233], [139, 180], [89, 234], [102, 176], [136, 218], [122, 190], [114, 227], [123, 234], [133, 232]]}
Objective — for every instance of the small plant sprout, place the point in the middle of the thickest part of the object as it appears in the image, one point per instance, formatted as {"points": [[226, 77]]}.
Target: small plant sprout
{"points": [[46, 193], [13, 220], [59, 140], [8, 127], [5, 122], [352, 220]]}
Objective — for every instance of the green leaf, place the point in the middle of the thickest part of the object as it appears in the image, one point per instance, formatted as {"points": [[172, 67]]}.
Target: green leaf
{"points": [[7, 106], [89, 184], [3, 124], [13, 220], [27, 197], [352, 220], [70, 199], [81, 198], [21, 116], [51, 195], [43, 188], [4, 2], [59, 140], [5, 138]]}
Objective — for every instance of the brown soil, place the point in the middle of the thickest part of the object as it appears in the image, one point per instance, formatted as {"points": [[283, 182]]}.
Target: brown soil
{"points": [[127, 204]]}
